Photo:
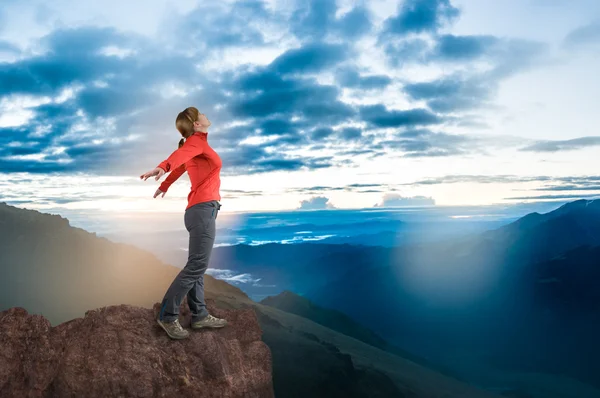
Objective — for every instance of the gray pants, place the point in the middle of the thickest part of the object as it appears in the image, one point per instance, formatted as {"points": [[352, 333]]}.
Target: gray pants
{"points": [[200, 221]]}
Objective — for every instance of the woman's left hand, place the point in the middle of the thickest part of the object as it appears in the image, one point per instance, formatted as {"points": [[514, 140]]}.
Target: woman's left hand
{"points": [[158, 172], [158, 192]]}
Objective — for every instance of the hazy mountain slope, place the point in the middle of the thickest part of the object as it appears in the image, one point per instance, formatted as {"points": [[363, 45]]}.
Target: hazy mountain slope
{"points": [[335, 320], [51, 268], [298, 344]]}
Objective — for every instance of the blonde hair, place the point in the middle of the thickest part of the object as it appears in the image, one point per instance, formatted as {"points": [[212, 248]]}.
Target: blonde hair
{"points": [[185, 121]]}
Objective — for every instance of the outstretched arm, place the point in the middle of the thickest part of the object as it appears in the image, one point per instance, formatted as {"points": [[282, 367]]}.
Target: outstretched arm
{"points": [[171, 178], [192, 147]]}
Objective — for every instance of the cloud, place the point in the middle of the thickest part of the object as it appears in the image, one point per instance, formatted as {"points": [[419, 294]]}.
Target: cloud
{"points": [[563, 145], [452, 93], [541, 197], [321, 133], [316, 203], [238, 193], [88, 94], [379, 116], [463, 90], [464, 48], [36, 189], [286, 97], [82, 130], [350, 133], [316, 20], [588, 183], [355, 23], [358, 188], [7, 47], [105, 97], [231, 276], [395, 200], [349, 77], [569, 188], [310, 58], [583, 36], [480, 179], [417, 16], [566, 183], [217, 26], [426, 143]]}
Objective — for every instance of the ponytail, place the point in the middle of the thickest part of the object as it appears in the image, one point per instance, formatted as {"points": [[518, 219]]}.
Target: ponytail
{"points": [[185, 121], [181, 141]]}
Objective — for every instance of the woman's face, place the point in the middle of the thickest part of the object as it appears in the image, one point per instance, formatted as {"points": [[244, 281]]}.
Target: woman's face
{"points": [[203, 120]]}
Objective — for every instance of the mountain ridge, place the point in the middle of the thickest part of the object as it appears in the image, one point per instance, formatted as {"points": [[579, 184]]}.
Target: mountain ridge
{"points": [[308, 359]]}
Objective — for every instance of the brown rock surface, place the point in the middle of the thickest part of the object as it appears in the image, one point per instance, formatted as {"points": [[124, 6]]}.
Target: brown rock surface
{"points": [[120, 351]]}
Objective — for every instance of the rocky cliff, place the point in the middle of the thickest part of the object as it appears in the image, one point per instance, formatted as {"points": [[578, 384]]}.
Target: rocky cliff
{"points": [[121, 351]]}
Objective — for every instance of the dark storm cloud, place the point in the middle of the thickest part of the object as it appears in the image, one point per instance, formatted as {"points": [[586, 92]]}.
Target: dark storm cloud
{"points": [[350, 133], [354, 23], [321, 133], [277, 126], [114, 93], [112, 101], [253, 159], [348, 77], [125, 91], [563, 145], [286, 97], [11, 134], [74, 57], [272, 99], [379, 116], [463, 48], [16, 166], [417, 16], [315, 19], [310, 58]]}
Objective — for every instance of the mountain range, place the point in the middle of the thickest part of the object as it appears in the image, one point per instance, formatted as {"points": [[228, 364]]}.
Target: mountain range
{"points": [[60, 272], [525, 295]]}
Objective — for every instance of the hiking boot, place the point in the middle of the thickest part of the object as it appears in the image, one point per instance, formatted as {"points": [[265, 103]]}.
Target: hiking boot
{"points": [[209, 322], [173, 329]]}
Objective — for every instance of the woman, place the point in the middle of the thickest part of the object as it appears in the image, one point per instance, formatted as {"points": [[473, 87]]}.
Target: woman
{"points": [[203, 165]]}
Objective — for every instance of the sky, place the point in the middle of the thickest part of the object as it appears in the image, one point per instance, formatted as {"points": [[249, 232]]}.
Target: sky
{"points": [[314, 104]]}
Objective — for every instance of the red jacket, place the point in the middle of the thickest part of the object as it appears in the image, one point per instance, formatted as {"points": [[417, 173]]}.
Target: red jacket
{"points": [[203, 165]]}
